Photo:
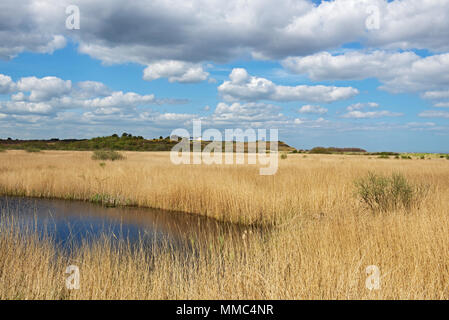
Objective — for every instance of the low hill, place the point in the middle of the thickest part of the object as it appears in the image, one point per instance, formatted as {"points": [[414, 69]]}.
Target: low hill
{"points": [[125, 142]]}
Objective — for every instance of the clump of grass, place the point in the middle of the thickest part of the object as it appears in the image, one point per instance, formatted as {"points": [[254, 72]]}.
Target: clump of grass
{"points": [[385, 193], [102, 164], [107, 155], [383, 156], [406, 157], [283, 156], [32, 150], [2, 149]]}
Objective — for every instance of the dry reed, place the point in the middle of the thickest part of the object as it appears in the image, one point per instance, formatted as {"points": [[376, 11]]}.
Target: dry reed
{"points": [[320, 248]]}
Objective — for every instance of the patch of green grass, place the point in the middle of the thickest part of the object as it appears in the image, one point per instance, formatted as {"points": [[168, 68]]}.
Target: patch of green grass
{"points": [[109, 200], [383, 156], [406, 157], [383, 193], [107, 155], [32, 150]]}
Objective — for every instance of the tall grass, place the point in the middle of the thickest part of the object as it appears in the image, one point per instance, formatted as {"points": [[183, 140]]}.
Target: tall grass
{"points": [[235, 193], [312, 257], [322, 243]]}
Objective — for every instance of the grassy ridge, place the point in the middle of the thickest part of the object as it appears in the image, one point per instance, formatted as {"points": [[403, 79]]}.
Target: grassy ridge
{"points": [[126, 142]]}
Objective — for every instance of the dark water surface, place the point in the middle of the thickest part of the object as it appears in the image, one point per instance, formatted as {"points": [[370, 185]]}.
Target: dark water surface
{"points": [[71, 223]]}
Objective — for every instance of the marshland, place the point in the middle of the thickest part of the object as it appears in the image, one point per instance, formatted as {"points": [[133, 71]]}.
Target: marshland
{"points": [[307, 232]]}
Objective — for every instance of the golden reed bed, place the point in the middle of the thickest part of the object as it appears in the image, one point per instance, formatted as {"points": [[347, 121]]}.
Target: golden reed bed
{"points": [[320, 247]]}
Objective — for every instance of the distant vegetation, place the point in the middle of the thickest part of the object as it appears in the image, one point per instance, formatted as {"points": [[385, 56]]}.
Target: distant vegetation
{"points": [[125, 142], [32, 149], [384, 153], [330, 150], [128, 142]]}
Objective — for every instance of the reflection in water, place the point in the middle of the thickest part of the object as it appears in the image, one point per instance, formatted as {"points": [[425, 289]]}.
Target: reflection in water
{"points": [[73, 222]]}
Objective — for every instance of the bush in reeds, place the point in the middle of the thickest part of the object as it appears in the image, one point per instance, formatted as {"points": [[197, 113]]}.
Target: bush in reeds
{"points": [[383, 193], [107, 155]]}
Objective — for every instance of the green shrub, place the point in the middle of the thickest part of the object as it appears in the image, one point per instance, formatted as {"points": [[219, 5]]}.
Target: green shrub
{"points": [[406, 157], [384, 153], [107, 155], [383, 156], [283, 156], [383, 193]]}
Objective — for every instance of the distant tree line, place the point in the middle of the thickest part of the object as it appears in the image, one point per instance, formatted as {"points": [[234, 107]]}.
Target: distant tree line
{"points": [[124, 142]]}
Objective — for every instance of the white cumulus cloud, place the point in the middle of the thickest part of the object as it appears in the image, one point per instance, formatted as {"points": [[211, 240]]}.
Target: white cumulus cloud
{"points": [[175, 71], [371, 114], [312, 109], [398, 72], [244, 87], [434, 114]]}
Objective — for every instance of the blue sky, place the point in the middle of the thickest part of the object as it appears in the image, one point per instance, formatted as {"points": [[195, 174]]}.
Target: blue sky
{"points": [[333, 73]]}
